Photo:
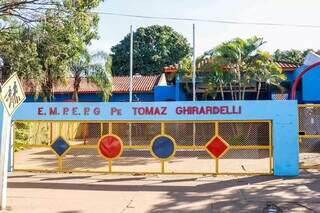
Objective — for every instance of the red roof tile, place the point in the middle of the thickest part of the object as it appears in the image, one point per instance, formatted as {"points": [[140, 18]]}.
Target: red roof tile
{"points": [[170, 69], [205, 65], [139, 83], [120, 84], [287, 66]]}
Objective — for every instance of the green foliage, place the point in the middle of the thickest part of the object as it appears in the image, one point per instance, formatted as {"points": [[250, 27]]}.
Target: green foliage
{"points": [[291, 56], [25, 12], [185, 67], [154, 47], [65, 42], [238, 63], [21, 135], [18, 53], [97, 68], [264, 70], [218, 79], [101, 76], [47, 49]]}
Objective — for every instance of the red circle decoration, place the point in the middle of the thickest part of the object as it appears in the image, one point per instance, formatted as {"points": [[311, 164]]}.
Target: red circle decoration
{"points": [[110, 146]]}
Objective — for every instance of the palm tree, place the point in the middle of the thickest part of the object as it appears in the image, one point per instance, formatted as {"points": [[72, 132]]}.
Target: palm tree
{"points": [[222, 78], [96, 68], [264, 70], [185, 70], [103, 79], [246, 62], [79, 70], [248, 65]]}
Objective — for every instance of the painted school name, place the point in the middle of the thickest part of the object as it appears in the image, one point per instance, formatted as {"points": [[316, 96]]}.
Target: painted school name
{"points": [[136, 111]]}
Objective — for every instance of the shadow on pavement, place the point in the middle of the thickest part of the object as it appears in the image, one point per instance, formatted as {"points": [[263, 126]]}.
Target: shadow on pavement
{"points": [[122, 179], [19, 176], [243, 194], [65, 178]]}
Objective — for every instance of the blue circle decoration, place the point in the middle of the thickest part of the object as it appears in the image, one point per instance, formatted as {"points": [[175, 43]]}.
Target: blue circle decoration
{"points": [[163, 147]]}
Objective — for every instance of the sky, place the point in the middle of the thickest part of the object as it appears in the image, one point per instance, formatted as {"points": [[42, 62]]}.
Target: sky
{"points": [[112, 29]]}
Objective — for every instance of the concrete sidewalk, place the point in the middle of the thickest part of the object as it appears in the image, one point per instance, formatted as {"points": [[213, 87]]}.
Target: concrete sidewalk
{"points": [[81, 193]]}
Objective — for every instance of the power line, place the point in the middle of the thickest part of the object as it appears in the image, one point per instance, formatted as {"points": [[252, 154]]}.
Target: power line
{"points": [[209, 20]]}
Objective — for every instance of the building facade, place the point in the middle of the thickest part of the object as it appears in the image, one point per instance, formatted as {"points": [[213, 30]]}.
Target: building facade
{"points": [[170, 86]]}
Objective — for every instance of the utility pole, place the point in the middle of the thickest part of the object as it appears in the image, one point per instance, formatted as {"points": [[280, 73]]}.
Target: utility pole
{"points": [[194, 81], [194, 65], [131, 64], [131, 76]]}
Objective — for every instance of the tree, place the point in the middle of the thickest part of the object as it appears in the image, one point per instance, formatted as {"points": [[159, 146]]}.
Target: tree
{"points": [[264, 70], [102, 78], [97, 72], [220, 78], [19, 54], [291, 56], [79, 69], [246, 63], [53, 44], [26, 12], [154, 47], [67, 37]]}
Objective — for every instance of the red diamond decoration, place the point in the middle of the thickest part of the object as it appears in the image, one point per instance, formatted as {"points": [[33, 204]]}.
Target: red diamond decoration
{"points": [[216, 147]]}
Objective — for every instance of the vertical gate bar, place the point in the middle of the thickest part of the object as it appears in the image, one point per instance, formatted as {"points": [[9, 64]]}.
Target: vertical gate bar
{"points": [[270, 148], [216, 128], [59, 164], [162, 166], [85, 133], [216, 133], [130, 133], [110, 128], [162, 128], [101, 129], [68, 130], [60, 128], [217, 165], [110, 166], [194, 134], [110, 132], [51, 133]]}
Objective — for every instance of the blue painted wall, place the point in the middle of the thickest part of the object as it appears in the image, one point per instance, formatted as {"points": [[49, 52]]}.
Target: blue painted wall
{"points": [[90, 98], [165, 93], [136, 97], [169, 93], [180, 93], [290, 76], [311, 86], [308, 90], [94, 97]]}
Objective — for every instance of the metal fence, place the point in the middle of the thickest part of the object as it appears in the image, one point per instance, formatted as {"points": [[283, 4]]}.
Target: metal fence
{"points": [[202, 147], [309, 135]]}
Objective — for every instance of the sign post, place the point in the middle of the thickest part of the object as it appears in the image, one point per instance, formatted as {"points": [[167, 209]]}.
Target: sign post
{"points": [[12, 96]]}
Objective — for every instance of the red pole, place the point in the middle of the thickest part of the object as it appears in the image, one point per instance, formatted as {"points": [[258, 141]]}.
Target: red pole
{"points": [[297, 80]]}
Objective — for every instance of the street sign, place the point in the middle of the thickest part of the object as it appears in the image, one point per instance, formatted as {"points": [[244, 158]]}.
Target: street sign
{"points": [[12, 94]]}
